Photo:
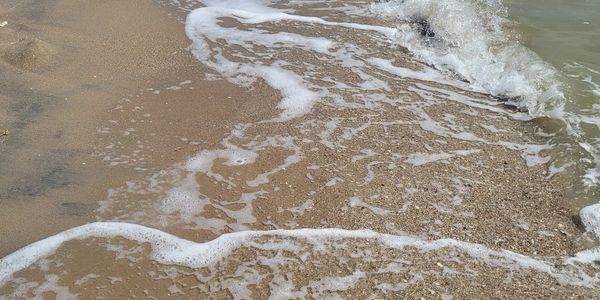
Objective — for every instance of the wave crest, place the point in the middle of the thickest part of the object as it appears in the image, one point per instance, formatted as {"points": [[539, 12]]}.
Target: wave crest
{"points": [[471, 39]]}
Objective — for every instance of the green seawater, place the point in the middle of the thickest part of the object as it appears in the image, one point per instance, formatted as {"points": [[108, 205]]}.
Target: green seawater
{"points": [[566, 34]]}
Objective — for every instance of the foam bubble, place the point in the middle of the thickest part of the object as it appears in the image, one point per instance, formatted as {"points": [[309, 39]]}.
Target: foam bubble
{"points": [[467, 38], [427, 74], [357, 202], [171, 250], [590, 217], [418, 159], [204, 28]]}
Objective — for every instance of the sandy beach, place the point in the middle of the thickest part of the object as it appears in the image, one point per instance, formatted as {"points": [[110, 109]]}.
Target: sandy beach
{"points": [[405, 187], [66, 67]]}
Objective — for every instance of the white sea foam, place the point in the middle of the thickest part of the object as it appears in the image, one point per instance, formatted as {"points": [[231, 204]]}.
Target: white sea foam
{"points": [[590, 217], [427, 74], [204, 28], [469, 39], [357, 202], [171, 250], [419, 159]]}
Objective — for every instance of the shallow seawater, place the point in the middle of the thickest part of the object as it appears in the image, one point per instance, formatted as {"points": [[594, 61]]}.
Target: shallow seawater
{"points": [[562, 32], [567, 35]]}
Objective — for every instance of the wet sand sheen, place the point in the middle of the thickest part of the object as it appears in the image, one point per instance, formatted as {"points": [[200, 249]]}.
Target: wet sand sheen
{"points": [[62, 78], [66, 64], [141, 109]]}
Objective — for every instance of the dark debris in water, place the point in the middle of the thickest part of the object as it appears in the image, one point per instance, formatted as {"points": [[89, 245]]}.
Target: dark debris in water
{"points": [[425, 27]]}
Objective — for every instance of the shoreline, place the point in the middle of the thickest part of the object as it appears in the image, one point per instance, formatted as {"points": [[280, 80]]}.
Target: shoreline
{"points": [[196, 156]]}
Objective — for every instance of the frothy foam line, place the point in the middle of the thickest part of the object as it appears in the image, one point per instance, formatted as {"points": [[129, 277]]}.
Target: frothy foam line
{"points": [[419, 159], [172, 250], [203, 28], [467, 38], [427, 74], [590, 217]]}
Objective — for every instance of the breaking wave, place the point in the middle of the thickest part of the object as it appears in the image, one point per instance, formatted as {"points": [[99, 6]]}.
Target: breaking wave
{"points": [[472, 40]]}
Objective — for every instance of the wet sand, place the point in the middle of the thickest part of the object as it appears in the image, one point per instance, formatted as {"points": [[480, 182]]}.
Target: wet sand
{"points": [[104, 103], [65, 65]]}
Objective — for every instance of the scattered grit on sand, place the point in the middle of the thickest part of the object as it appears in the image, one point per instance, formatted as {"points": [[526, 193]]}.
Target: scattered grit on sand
{"points": [[362, 167]]}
